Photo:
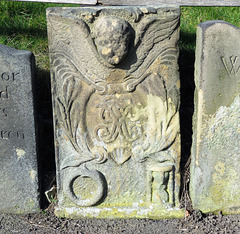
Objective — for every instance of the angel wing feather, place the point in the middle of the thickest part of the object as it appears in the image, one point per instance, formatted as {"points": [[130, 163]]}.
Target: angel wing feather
{"points": [[65, 67], [151, 31], [77, 47]]}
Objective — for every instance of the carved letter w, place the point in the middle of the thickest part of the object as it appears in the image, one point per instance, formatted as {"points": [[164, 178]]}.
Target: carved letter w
{"points": [[232, 68]]}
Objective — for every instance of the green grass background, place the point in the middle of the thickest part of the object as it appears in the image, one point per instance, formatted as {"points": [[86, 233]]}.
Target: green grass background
{"points": [[23, 25]]}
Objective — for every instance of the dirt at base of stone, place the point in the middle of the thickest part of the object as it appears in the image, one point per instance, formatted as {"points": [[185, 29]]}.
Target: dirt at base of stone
{"points": [[47, 222]]}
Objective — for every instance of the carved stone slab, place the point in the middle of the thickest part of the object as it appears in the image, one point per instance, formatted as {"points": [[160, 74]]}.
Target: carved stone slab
{"points": [[215, 174], [115, 87], [18, 156]]}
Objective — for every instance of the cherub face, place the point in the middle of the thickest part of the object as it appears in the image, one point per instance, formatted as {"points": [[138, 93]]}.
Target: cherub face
{"points": [[112, 37]]}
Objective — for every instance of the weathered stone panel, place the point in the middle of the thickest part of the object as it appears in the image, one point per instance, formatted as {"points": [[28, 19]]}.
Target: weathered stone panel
{"points": [[115, 87], [19, 190], [215, 174]]}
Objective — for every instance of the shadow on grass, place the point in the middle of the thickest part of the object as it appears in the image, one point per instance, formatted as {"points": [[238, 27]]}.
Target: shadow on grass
{"points": [[187, 41], [186, 65], [26, 32]]}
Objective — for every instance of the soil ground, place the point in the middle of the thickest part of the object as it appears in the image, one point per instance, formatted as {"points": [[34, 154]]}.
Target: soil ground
{"points": [[47, 222]]}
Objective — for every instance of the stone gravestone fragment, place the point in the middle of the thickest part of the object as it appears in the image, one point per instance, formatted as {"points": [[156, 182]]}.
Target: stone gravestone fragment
{"points": [[115, 87], [215, 174], [19, 191]]}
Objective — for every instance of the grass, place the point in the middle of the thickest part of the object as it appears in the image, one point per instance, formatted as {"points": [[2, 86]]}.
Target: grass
{"points": [[23, 25], [192, 16]]}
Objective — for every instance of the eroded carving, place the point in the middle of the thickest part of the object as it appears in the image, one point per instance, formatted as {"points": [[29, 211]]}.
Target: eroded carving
{"points": [[97, 177], [8, 135], [3, 112], [114, 97], [163, 173], [112, 36]]}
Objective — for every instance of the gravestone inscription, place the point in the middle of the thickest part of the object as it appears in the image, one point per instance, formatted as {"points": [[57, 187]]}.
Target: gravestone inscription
{"points": [[215, 174], [19, 191], [115, 87]]}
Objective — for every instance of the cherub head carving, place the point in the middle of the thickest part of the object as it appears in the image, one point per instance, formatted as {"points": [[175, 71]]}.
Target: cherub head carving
{"points": [[112, 36]]}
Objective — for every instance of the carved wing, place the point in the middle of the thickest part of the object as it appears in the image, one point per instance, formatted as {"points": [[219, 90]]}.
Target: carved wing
{"points": [[152, 50], [74, 65], [149, 33], [70, 110], [76, 49], [69, 114]]}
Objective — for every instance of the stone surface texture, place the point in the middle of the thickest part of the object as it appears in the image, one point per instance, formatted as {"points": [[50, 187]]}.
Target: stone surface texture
{"points": [[115, 87], [215, 174], [19, 190]]}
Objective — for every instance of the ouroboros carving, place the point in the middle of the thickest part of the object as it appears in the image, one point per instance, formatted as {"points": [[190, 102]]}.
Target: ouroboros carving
{"points": [[84, 172]]}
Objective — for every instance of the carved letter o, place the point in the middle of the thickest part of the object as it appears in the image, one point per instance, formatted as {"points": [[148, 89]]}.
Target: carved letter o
{"points": [[84, 172], [5, 76]]}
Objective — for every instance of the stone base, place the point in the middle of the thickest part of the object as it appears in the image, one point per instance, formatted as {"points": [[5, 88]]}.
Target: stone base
{"points": [[151, 212], [231, 210]]}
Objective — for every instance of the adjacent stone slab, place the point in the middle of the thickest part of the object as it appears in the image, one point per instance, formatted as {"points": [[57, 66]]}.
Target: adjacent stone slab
{"points": [[18, 156], [215, 174], [115, 87]]}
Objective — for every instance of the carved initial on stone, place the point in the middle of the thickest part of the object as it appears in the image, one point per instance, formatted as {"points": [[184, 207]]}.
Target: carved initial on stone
{"points": [[231, 65], [117, 124]]}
